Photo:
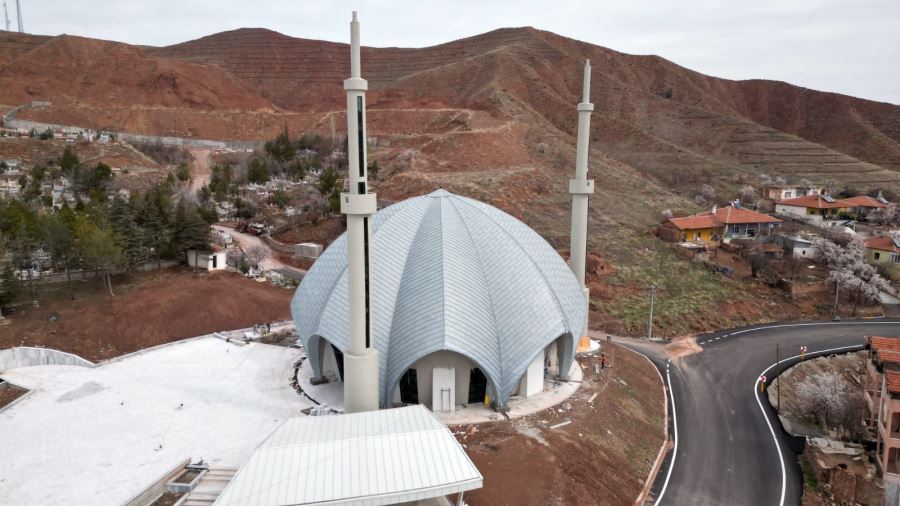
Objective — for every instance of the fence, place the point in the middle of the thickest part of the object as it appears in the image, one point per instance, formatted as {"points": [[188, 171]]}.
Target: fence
{"points": [[85, 274]]}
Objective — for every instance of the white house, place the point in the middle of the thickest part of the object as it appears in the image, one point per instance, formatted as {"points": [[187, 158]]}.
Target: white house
{"points": [[209, 260]]}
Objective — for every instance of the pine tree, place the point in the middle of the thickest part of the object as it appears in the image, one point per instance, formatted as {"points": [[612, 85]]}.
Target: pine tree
{"points": [[127, 234], [10, 289]]}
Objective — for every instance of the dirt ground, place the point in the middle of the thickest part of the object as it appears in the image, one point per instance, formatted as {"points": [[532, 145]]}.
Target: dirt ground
{"points": [[200, 171], [148, 310], [602, 457], [323, 232], [8, 395]]}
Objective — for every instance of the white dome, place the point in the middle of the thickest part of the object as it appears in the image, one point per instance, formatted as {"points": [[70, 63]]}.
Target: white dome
{"points": [[448, 273]]}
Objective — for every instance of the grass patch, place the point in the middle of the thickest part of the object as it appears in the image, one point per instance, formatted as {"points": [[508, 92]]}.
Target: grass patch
{"points": [[809, 477], [684, 289]]}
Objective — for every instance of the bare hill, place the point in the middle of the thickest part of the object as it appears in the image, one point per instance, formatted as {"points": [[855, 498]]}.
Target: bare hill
{"points": [[491, 116]]}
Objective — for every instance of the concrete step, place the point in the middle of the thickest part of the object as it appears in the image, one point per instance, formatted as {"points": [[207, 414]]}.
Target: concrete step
{"points": [[197, 502]]}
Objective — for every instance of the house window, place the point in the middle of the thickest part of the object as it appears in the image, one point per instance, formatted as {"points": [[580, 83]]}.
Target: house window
{"points": [[895, 258], [788, 194], [735, 229], [877, 255]]}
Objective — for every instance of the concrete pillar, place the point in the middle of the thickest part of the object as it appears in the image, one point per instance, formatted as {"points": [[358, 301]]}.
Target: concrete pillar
{"points": [[361, 375], [580, 188]]}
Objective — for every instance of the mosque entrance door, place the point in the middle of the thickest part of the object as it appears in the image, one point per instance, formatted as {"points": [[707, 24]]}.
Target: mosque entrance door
{"points": [[339, 360], [409, 387], [477, 386]]}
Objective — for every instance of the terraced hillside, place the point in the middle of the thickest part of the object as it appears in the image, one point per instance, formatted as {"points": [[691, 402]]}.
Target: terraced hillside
{"points": [[493, 117]]}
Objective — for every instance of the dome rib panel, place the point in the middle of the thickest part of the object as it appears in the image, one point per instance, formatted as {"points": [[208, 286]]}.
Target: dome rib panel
{"points": [[448, 273]]}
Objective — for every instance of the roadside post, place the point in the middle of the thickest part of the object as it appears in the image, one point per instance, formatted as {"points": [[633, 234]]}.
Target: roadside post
{"points": [[762, 383], [802, 352], [650, 319]]}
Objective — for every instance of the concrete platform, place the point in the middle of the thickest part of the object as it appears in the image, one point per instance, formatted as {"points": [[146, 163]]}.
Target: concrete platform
{"points": [[100, 435], [554, 393]]}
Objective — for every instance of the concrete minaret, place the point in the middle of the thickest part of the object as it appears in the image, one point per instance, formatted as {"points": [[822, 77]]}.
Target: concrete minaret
{"points": [[580, 188], [361, 360]]}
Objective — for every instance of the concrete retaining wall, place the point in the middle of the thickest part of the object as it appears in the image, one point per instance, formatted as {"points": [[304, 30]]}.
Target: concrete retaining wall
{"points": [[9, 121], [26, 357], [157, 488], [277, 246]]}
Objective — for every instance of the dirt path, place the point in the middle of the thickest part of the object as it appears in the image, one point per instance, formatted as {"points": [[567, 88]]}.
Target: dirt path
{"points": [[200, 170], [248, 241]]}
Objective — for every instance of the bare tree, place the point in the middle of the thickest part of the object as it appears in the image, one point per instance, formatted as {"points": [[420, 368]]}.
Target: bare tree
{"points": [[665, 215], [254, 255], [748, 194], [849, 272], [707, 194], [833, 401]]}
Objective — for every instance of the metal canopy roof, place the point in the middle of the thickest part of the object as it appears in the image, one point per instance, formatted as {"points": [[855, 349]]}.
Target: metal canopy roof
{"points": [[372, 458], [448, 273]]}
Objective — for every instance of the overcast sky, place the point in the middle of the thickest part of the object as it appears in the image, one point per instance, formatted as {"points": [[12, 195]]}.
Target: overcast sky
{"points": [[850, 46]]}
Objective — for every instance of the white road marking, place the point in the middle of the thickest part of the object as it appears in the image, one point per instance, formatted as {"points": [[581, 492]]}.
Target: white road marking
{"points": [[766, 416], [672, 397], [675, 445]]}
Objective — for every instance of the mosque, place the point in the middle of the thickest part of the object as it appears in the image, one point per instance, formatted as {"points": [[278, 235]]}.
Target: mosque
{"points": [[467, 302], [441, 300]]}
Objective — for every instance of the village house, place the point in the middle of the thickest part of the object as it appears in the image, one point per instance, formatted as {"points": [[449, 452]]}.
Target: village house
{"points": [[782, 192], [861, 206], [813, 209], [883, 249], [796, 246], [742, 223], [698, 228], [726, 223], [882, 395]]}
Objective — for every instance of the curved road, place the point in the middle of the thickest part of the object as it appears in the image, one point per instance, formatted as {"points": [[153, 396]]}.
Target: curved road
{"points": [[725, 446]]}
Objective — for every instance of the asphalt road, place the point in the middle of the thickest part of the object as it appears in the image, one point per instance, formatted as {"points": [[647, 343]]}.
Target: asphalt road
{"points": [[727, 451]]}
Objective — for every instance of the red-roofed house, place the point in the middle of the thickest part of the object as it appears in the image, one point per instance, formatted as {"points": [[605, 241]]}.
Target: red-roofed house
{"points": [[862, 205], [883, 250], [726, 223], [813, 208], [882, 394]]}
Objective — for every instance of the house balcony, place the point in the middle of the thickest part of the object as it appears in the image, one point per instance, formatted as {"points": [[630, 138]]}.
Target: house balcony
{"points": [[873, 401]]}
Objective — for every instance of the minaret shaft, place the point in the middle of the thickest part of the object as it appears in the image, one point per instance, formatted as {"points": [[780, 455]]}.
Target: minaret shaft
{"points": [[580, 188], [361, 359]]}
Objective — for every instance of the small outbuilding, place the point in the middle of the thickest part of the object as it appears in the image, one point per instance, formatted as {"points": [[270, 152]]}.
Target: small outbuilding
{"points": [[210, 260]]}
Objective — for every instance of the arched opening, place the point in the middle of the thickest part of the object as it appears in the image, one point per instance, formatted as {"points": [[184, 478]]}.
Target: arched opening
{"points": [[477, 386], [326, 359], [409, 387], [443, 381]]}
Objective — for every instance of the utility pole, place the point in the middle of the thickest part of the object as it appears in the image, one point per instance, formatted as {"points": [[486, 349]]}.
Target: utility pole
{"points": [[837, 291], [650, 320], [778, 368], [6, 14], [19, 16]]}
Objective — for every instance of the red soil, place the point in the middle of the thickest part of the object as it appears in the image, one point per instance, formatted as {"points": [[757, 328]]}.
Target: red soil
{"points": [[150, 310]]}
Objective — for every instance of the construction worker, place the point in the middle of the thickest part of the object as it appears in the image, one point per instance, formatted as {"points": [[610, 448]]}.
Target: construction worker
{"points": [[603, 361]]}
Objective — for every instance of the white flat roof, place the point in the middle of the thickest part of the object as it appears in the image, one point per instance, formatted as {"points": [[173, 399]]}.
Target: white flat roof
{"points": [[374, 458], [88, 436]]}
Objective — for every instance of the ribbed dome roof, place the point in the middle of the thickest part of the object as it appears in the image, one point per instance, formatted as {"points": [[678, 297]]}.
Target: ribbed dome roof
{"points": [[447, 273]]}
